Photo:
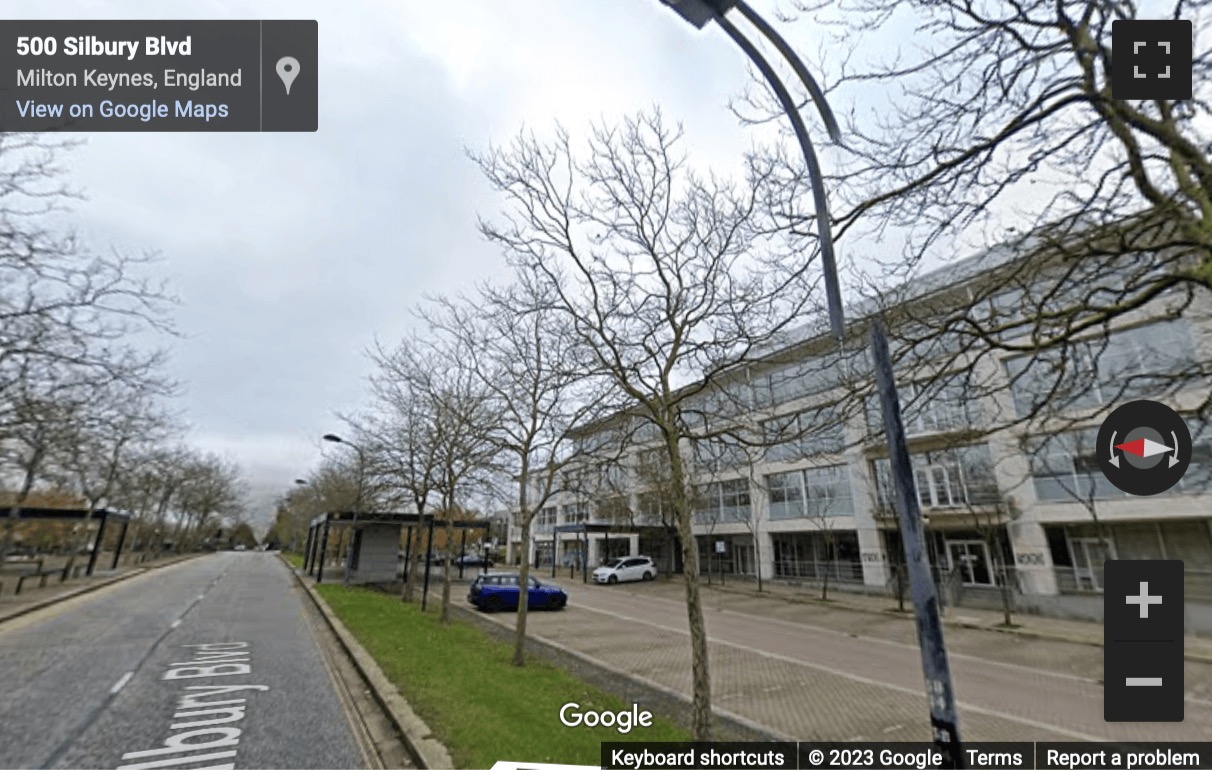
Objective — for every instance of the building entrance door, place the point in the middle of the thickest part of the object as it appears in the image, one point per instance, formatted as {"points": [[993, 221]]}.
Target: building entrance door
{"points": [[971, 558]]}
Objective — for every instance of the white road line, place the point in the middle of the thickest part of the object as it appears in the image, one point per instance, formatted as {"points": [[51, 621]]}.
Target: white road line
{"points": [[175, 623], [903, 645], [861, 679], [121, 682], [892, 643], [887, 642], [179, 760]]}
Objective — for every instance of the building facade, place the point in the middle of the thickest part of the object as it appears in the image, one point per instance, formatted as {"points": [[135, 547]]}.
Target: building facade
{"points": [[794, 482]]}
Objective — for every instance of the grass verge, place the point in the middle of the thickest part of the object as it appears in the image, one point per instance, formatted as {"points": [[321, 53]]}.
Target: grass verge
{"points": [[295, 559], [461, 682]]}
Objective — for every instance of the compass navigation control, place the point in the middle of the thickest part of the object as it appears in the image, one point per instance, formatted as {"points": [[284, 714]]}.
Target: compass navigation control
{"points": [[1144, 448]]}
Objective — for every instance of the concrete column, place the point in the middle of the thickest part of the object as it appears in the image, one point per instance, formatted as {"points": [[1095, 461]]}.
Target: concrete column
{"points": [[1032, 558], [765, 545], [876, 567]]}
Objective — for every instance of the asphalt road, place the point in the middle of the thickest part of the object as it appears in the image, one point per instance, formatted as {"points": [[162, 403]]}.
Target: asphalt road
{"points": [[213, 662], [838, 675]]}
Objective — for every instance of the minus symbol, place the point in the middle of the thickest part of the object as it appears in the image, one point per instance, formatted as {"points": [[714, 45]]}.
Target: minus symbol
{"points": [[1143, 681]]}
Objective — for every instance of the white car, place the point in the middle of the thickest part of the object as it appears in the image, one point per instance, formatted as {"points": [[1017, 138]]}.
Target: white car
{"points": [[624, 569]]}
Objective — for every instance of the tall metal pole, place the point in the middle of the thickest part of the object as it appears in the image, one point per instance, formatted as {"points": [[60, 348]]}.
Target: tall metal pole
{"points": [[943, 720], [323, 550], [925, 599], [121, 541], [92, 557]]}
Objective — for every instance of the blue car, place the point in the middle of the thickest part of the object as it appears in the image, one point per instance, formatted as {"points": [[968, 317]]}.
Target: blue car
{"points": [[492, 593]]}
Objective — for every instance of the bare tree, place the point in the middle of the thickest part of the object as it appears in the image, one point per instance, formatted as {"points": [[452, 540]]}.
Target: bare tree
{"points": [[539, 386], [1002, 119], [40, 427], [99, 446], [211, 485], [397, 434], [449, 407], [67, 315], [667, 279]]}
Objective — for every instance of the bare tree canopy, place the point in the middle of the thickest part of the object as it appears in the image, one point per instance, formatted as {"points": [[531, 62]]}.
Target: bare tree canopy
{"points": [[669, 280], [1000, 116]]}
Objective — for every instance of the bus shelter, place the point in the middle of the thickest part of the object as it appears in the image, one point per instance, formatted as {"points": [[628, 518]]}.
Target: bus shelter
{"points": [[102, 516], [375, 556]]}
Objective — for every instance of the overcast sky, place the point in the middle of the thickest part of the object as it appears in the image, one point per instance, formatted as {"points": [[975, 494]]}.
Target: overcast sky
{"points": [[292, 252]]}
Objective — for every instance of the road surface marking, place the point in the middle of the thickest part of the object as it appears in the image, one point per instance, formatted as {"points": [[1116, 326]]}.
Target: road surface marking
{"points": [[862, 679], [197, 703], [952, 655], [175, 623], [121, 682], [181, 761], [888, 642]]}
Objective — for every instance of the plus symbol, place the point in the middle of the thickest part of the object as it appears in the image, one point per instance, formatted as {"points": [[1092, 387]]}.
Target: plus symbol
{"points": [[1144, 600]]}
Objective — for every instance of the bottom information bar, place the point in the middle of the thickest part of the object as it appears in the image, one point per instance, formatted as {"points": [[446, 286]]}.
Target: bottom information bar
{"points": [[903, 756]]}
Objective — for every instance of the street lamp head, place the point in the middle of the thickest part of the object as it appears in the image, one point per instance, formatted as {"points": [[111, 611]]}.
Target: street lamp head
{"points": [[333, 438], [699, 12]]}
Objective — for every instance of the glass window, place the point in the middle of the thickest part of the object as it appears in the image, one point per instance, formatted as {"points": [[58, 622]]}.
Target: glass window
{"points": [[734, 500], [1065, 468], [812, 492], [828, 492], [820, 430], [946, 478], [942, 404], [1129, 363], [722, 501], [786, 495]]}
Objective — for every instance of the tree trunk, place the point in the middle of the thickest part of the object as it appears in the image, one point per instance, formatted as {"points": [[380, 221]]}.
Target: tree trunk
{"points": [[701, 716], [445, 616], [757, 559], [999, 563], [825, 585], [410, 569], [519, 633]]}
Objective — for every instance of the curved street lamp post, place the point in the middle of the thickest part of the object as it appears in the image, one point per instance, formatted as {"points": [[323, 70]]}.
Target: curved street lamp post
{"points": [[939, 691], [353, 527]]}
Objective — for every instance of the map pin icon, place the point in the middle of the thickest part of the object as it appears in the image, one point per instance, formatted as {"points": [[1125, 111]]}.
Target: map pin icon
{"points": [[288, 70]]}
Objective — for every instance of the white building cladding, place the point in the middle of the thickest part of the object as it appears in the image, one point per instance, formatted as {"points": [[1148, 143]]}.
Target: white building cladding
{"points": [[794, 481]]}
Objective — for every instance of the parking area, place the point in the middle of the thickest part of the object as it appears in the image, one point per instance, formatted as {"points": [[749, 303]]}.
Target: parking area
{"points": [[815, 672]]}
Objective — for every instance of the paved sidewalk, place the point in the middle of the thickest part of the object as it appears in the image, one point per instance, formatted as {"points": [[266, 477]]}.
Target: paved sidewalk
{"points": [[827, 671], [849, 668], [35, 597], [1027, 626]]}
